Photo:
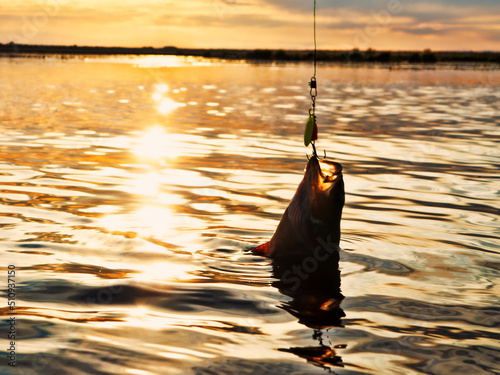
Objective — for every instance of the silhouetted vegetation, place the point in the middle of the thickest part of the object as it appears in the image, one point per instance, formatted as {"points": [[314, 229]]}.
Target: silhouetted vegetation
{"points": [[415, 58], [354, 56], [429, 57]]}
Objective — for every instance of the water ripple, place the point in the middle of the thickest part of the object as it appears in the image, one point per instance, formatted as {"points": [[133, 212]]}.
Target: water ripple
{"points": [[131, 188]]}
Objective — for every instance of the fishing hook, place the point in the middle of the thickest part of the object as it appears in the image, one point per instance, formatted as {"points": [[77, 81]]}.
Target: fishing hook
{"points": [[316, 155]]}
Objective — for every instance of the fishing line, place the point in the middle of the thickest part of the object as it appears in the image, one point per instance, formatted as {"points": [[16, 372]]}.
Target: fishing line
{"points": [[314, 17], [311, 131]]}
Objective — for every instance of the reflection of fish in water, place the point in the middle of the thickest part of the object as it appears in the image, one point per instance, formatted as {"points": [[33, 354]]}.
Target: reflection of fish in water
{"points": [[305, 254], [315, 290], [319, 355]]}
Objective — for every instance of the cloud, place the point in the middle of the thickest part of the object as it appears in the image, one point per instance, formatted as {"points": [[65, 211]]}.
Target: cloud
{"points": [[420, 31], [441, 24], [306, 6], [378, 5]]}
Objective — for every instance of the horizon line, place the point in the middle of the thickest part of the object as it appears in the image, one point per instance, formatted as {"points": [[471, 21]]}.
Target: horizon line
{"points": [[247, 49]]}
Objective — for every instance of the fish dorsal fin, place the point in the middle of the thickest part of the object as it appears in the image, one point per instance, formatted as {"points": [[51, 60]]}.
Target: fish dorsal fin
{"points": [[262, 249]]}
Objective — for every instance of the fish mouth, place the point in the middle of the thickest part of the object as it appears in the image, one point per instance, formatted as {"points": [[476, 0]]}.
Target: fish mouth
{"points": [[326, 197], [325, 172], [329, 170]]}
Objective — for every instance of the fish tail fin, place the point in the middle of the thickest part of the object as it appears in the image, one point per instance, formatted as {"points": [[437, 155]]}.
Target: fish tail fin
{"points": [[262, 249]]}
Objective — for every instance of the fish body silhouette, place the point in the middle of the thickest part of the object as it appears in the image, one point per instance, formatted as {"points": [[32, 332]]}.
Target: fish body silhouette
{"points": [[312, 219]]}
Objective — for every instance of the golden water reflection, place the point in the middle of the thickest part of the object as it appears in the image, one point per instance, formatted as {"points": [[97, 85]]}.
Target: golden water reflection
{"points": [[156, 143], [127, 201], [165, 104], [156, 221]]}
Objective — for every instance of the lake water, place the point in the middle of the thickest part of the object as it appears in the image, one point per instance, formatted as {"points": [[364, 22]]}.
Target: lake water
{"points": [[131, 188]]}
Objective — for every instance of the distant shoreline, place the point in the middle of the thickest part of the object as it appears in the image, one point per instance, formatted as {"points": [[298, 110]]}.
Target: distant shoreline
{"points": [[338, 56]]}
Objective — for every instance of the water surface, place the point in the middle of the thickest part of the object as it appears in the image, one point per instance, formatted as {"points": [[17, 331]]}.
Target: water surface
{"points": [[130, 189]]}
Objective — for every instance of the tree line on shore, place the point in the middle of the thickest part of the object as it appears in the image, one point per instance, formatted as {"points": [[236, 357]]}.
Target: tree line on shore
{"points": [[351, 56]]}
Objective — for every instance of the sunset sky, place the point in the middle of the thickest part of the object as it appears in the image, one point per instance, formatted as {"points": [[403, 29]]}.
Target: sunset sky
{"points": [[248, 24]]}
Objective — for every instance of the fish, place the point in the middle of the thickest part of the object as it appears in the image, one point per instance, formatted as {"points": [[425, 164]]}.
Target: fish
{"points": [[310, 225], [304, 248]]}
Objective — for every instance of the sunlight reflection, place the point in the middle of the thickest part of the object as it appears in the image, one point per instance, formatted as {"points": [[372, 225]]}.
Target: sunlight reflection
{"points": [[173, 355], [137, 372], [146, 221], [161, 88], [170, 199], [209, 207], [156, 61], [156, 143], [165, 271], [155, 221], [144, 184], [165, 104], [156, 96], [153, 61], [102, 209]]}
